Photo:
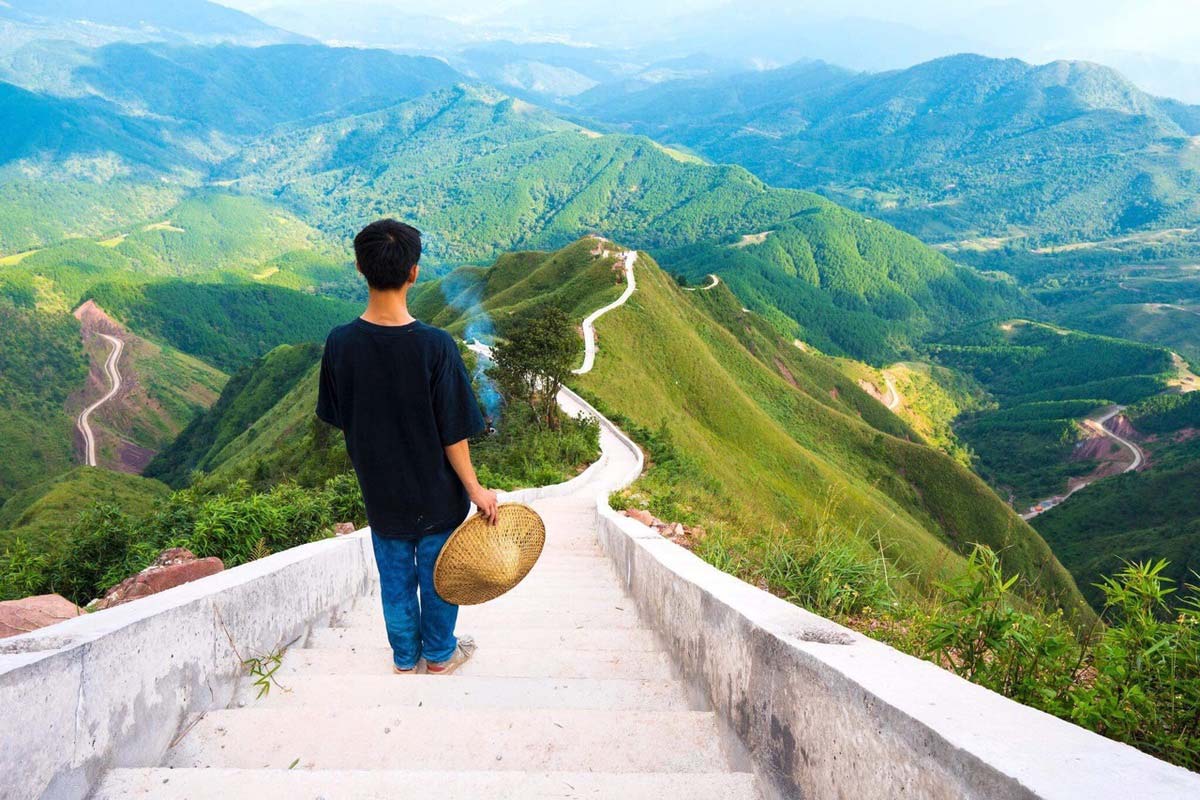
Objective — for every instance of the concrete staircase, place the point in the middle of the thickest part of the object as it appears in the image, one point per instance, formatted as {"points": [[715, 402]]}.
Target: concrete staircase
{"points": [[568, 696]]}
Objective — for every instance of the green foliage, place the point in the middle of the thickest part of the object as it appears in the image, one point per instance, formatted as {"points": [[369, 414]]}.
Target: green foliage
{"points": [[41, 363], [1165, 413], [534, 362], [248, 395], [106, 543], [942, 149], [1136, 679], [226, 325], [524, 452], [1147, 663], [980, 633], [40, 513]]}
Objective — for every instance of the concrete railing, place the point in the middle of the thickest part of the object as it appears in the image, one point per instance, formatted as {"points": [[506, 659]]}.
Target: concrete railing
{"points": [[113, 688], [824, 711], [827, 712]]}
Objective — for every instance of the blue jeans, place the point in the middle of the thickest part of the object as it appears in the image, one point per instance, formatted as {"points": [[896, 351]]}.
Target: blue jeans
{"points": [[414, 628]]}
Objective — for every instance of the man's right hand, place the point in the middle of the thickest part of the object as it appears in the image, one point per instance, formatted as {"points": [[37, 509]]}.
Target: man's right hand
{"points": [[485, 501]]}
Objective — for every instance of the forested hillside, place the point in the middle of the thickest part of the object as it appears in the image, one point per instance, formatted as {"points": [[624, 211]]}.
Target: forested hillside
{"points": [[957, 148], [248, 396], [1046, 380], [484, 173], [41, 363]]}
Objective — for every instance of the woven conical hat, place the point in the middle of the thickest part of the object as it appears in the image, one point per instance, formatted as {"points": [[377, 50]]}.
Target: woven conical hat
{"points": [[480, 562]]}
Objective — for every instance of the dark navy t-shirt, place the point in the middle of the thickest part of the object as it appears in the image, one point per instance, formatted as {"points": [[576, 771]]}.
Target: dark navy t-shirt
{"points": [[401, 394]]}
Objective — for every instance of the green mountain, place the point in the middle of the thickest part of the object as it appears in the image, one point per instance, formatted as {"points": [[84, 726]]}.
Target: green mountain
{"points": [[961, 147], [248, 90], [778, 437], [101, 138], [248, 396], [770, 437], [484, 173]]}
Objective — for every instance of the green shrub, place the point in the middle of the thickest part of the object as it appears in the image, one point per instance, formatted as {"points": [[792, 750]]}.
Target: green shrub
{"points": [[1146, 690]]}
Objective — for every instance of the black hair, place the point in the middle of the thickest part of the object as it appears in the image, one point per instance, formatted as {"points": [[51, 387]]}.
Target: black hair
{"points": [[386, 252]]}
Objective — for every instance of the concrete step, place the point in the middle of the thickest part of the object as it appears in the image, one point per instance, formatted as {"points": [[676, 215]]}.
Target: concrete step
{"points": [[625, 639], [298, 784], [488, 662], [539, 595], [532, 616], [468, 739], [320, 692]]}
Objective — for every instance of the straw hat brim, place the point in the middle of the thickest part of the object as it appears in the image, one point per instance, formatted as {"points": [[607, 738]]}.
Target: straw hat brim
{"points": [[480, 561]]}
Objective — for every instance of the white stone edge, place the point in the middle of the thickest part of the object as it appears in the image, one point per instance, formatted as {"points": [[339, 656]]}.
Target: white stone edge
{"points": [[961, 737], [110, 671]]}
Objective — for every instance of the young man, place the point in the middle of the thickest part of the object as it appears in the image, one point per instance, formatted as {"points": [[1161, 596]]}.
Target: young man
{"points": [[399, 390]]}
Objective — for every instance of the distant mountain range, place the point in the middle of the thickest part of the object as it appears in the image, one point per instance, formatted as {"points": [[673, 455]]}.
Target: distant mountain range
{"points": [[92, 22], [958, 148]]}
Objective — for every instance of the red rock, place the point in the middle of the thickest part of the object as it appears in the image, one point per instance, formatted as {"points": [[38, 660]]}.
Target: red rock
{"points": [[172, 556], [642, 516], [343, 528], [172, 568], [674, 531], [31, 613]]}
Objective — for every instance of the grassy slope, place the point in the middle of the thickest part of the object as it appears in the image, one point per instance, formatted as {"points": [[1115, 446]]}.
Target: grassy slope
{"points": [[41, 363], [572, 279], [211, 237], [41, 514], [778, 452], [248, 396]]}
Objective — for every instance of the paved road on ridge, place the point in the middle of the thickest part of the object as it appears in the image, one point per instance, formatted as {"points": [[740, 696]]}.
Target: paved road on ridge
{"points": [[713, 280], [114, 377], [589, 324]]}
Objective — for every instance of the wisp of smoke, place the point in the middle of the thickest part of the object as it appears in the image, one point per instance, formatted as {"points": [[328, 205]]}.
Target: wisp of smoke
{"points": [[464, 293]]}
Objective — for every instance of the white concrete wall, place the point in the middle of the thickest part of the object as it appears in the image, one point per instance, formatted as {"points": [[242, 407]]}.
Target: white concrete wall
{"points": [[113, 688], [826, 712]]}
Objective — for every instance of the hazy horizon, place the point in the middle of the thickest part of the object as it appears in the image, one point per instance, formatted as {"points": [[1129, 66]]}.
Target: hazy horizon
{"points": [[1151, 41]]}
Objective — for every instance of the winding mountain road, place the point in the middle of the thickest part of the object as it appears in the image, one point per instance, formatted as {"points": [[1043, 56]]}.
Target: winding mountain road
{"points": [[892, 399], [114, 377], [589, 324], [713, 280], [1139, 458]]}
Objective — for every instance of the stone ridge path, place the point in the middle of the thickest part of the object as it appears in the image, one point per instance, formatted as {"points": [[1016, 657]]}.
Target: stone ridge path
{"points": [[570, 695]]}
